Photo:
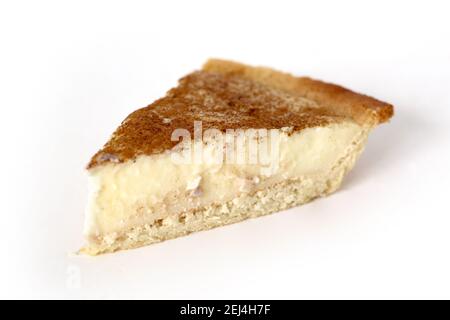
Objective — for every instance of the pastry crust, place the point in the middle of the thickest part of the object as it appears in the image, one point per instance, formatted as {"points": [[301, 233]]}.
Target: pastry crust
{"points": [[228, 95]]}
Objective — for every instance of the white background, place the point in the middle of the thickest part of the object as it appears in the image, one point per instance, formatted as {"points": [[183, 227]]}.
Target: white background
{"points": [[70, 72]]}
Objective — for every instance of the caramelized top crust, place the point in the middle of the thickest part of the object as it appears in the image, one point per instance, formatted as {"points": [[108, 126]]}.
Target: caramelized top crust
{"points": [[228, 95], [338, 100]]}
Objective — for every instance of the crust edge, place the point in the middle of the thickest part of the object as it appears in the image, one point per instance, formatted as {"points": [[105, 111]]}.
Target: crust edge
{"points": [[340, 101]]}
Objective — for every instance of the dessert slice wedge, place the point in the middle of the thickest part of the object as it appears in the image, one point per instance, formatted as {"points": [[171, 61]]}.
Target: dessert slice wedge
{"points": [[230, 142]]}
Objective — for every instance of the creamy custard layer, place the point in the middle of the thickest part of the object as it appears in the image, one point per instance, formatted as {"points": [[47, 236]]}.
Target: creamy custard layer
{"points": [[154, 187]]}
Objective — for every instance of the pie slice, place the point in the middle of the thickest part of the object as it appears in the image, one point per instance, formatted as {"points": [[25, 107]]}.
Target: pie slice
{"points": [[230, 142]]}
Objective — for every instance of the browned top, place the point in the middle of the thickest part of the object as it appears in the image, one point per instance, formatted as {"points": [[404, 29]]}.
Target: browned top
{"points": [[228, 95]]}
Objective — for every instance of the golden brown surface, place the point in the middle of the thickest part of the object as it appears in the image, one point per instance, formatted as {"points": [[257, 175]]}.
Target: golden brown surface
{"points": [[336, 99], [228, 95]]}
